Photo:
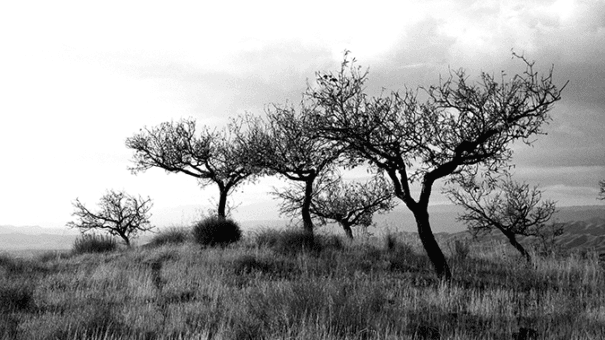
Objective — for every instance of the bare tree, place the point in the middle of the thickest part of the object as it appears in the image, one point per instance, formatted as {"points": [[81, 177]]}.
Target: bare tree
{"points": [[514, 208], [211, 156], [285, 144], [119, 214], [460, 127], [601, 195], [348, 203]]}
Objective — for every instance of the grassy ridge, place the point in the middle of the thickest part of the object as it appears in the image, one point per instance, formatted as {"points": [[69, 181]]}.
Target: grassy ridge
{"points": [[275, 287]]}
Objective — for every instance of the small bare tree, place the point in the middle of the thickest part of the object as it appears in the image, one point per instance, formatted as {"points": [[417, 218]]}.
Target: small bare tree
{"points": [[210, 156], [119, 214], [348, 203], [601, 195], [514, 208]]}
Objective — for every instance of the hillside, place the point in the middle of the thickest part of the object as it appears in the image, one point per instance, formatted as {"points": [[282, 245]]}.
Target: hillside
{"points": [[586, 229]]}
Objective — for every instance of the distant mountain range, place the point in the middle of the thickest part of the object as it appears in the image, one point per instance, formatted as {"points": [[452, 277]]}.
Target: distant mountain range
{"points": [[585, 229]]}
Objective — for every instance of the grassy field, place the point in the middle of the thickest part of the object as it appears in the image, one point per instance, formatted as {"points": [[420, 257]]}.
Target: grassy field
{"points": [[273, 285]]}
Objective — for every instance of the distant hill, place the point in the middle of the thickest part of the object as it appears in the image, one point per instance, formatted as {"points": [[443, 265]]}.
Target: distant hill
{"points": [[586, 228], [588, 235]]}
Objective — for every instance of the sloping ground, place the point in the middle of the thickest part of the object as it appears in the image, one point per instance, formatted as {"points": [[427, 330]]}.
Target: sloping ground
{"points": [[579, 236]]}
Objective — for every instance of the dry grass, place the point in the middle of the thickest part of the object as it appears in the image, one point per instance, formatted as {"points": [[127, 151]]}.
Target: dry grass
{"points": [[363, 290]]}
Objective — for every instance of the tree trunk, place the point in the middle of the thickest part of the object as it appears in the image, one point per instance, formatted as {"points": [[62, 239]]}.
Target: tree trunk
{"points": [[222, 202], [126, 239], [430, 244], [513, 240], [347, 227], [306, 207]]}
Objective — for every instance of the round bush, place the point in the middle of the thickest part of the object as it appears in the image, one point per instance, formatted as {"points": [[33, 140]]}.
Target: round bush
{"points": [[216, 231]]}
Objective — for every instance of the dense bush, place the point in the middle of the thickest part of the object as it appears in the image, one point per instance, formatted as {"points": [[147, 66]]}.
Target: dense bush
{"points": [[216, 231], [93, 243], [172, 235]]}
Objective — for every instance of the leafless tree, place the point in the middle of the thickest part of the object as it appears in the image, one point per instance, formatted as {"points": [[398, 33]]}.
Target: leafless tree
{"points": [[210, 156], [285, 144], [601, 190], [348, 203], [461, 126], [514, 208], [119, 214]]}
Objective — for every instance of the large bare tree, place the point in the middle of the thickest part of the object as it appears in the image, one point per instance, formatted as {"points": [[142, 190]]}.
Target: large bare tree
{"points": [[284, 143], [211, 156], [351, 204], [514, 208], [462, 125], [119, 214]]}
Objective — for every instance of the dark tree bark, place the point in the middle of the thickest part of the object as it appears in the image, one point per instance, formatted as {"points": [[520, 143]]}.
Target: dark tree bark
{"points": [[347, 228], [306, 206], [430, 244], [222, 202], [513, 241]]}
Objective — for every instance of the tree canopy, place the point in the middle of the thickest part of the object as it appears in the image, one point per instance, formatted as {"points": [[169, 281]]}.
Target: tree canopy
{"points": [[461, 126], [119, 214], [211, 156]]}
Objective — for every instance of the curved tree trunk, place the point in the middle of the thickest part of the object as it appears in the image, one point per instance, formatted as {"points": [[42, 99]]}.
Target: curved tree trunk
{"points": [[513, 240], [430, 244], [306, 207], [125, 239], [347, 227]]}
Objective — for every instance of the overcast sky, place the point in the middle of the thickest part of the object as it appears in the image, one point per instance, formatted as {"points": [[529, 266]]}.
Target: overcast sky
{"points": [[77, 79]]}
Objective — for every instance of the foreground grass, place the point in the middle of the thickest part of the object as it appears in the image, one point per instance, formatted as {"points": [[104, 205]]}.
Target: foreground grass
{"points": [[259, 290]]}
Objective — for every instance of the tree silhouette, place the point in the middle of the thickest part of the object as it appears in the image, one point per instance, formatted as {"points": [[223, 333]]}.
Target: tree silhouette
{"points": [[211, 156], [512, 207], [120, 215], [460, 127], [348, 203], [285, 144]]}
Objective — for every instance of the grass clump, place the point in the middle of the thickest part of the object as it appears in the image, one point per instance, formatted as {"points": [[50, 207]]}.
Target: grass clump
{"points": [[16, 296], [172, 235], [216, 231], [93, 243], [293, 241]]}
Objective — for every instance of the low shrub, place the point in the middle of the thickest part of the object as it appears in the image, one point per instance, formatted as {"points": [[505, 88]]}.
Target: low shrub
{"points": [[288, 241], [294, 241], [93, 243], [172, 235], [216, 231]]}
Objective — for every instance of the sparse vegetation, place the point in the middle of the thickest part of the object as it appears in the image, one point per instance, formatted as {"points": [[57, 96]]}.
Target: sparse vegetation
{"points": [[119, 214], [377, 289], [216, 231]]}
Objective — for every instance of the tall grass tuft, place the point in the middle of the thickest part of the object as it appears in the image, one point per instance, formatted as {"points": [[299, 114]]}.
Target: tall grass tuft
{"points": [[216, 231], [93, 243]]}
